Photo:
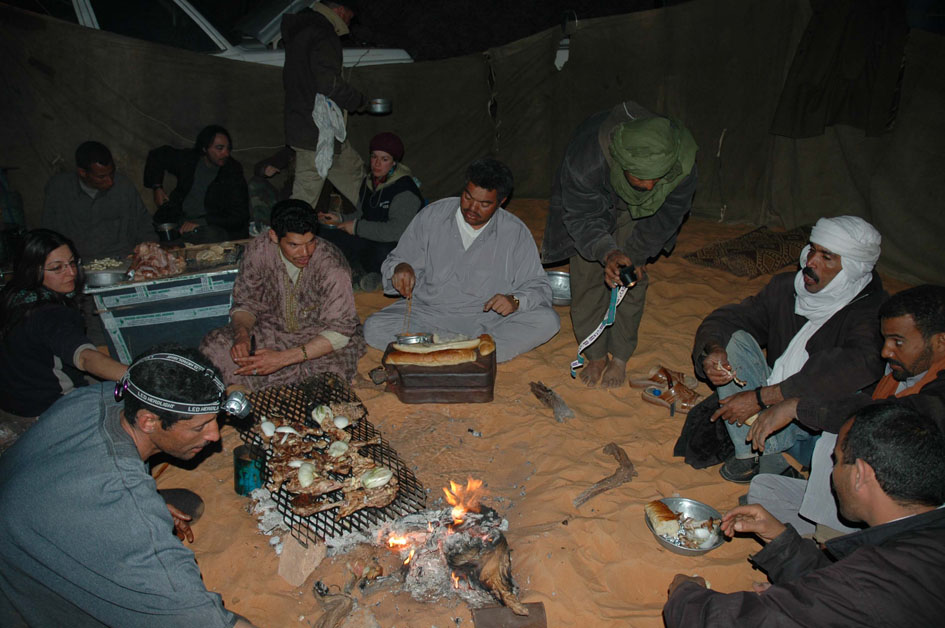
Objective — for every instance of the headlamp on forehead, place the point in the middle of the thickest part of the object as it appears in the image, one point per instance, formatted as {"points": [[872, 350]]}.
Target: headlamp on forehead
{"points": [[236, 404]]}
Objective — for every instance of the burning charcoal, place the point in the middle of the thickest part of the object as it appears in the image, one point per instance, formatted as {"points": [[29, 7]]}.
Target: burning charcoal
{"points": [[489, 562]]}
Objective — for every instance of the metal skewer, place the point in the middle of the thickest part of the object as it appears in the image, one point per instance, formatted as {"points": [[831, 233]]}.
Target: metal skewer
{"points": [[407, 315]]}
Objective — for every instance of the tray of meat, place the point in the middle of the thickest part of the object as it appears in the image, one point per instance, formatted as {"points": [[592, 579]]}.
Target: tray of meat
{"points": [[153, 262]]}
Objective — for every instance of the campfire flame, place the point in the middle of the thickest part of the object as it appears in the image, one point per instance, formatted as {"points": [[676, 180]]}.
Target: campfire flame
{"points": [[401, 543], [455, 580], [463, 499]]}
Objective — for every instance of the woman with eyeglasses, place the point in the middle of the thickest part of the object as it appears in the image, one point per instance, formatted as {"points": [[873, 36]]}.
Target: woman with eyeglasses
{"points": [[43, 347]]}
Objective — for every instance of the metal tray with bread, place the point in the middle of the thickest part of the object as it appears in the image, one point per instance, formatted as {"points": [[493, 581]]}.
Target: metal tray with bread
{"points": [[461, 372]]}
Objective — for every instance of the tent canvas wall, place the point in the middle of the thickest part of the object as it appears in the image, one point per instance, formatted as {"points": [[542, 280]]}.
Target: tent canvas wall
{"points": [[718, 65]]}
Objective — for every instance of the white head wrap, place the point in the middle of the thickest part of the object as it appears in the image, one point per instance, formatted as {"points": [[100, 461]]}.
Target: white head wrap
{"points": [[857, 243]]}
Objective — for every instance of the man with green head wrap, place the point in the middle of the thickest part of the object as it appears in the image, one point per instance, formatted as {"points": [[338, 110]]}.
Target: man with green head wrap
{"points": [[619, 197]]}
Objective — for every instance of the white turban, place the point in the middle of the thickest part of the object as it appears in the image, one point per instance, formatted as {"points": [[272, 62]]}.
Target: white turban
{"points": [[857, 243], [850, 237]]}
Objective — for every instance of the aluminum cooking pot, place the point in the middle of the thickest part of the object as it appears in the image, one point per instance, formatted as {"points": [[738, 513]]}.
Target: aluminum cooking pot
{"points": [[379, 106], [167, 231]]}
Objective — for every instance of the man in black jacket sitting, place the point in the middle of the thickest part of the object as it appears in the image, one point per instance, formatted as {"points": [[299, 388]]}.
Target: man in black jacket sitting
{"points": [[818, 331], [210, 202], [889, 472]]}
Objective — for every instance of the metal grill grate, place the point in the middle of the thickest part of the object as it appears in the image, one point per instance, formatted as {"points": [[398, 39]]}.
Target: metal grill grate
{"points": [[295, 402]]}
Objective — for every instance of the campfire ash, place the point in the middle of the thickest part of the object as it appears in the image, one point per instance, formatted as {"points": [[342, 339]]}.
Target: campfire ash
{"points": [[459, 551]]}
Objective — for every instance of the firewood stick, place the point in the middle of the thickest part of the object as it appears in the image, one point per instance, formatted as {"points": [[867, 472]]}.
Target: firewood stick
{"points": [[624, 473], [161, 468], [552, 400]]}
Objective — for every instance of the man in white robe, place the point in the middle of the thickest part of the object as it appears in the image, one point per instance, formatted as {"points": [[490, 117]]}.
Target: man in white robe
{"points": [[470, 268]]}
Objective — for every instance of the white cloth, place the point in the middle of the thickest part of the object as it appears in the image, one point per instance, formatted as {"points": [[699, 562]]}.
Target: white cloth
{"points": [[330, 121], [857, 243], [466, 232]]}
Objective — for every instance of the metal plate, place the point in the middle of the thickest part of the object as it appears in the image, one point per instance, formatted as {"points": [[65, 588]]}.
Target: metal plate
{"points": [[688, 508]]}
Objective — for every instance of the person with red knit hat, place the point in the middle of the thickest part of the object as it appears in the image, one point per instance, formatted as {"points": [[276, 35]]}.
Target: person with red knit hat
{"points": [[388, 200]]}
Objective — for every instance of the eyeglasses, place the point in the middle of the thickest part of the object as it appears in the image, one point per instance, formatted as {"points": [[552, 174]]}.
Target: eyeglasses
{"points": [[58, 269]]}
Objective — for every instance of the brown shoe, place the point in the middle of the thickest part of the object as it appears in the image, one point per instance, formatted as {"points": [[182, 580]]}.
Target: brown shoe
{"points": [[676, 396], [657, 377]]}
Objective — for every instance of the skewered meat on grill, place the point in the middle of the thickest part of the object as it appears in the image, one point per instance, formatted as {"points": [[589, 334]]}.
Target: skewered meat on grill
{"points": [[319, 487], [307, 505], [355, 499], [354, 411], [310, 461]]}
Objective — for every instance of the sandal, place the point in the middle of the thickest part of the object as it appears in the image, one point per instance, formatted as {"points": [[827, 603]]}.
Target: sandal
{"points": [[657, 378], [676, 396]]}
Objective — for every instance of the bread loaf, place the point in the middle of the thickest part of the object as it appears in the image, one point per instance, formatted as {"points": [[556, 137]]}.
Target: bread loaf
{"points": [[448, 357], [664, 521], [437, 346]]}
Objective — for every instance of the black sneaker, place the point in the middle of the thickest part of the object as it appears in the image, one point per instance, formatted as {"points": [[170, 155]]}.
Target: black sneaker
{"points": [[739, 470]]}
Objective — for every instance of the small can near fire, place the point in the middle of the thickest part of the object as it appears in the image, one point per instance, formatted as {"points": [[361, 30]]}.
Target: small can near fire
{"points": [[247, 469]]}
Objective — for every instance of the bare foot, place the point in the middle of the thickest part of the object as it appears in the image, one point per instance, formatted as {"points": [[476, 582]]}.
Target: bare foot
{"points": [[591, 372], [615, 374]]}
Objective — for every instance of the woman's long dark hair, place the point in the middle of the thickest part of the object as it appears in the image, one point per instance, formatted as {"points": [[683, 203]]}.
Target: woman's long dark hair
{"points": [[28, 272]]}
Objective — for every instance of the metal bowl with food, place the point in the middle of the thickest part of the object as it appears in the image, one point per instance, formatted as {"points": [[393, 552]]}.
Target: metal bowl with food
{"points": [[102, 278], [698, 526], [560, 287], [414, 339]]}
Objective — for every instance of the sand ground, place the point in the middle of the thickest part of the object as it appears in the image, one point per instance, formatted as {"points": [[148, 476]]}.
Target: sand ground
{"points": [[593, 566]]}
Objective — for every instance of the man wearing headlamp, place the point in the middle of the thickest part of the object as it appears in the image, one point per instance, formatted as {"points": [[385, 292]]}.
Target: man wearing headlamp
{"points": [[85, 538]]}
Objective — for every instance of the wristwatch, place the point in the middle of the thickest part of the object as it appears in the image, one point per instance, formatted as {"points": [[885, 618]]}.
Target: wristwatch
{"points": [[514, 300]]}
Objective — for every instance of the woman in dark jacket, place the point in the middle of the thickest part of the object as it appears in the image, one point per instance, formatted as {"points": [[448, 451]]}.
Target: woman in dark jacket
{"points": [[43, 347], [388, 201]]}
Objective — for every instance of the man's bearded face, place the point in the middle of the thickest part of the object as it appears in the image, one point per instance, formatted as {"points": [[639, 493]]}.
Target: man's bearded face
{"points": [[904, 348]]}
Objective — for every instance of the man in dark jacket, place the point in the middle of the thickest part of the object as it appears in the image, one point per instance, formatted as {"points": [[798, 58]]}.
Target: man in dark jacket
{"points": [[97, 208], [819, 328], [889, 472], [618, 199], [313, 63], [210, 202]]}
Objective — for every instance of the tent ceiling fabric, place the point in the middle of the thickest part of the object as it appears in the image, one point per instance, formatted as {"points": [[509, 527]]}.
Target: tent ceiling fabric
{"points": [[718, 65]]}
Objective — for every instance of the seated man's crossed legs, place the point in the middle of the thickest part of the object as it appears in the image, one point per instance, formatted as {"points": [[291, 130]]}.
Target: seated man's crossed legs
{"points": [[748, 361], [514, 334]]}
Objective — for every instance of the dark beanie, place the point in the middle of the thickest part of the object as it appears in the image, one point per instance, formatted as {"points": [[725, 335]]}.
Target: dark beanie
{"points": [[389, 143]]}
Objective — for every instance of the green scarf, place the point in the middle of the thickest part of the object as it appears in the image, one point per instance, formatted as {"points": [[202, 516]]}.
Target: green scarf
{"points": [[651, 148]]}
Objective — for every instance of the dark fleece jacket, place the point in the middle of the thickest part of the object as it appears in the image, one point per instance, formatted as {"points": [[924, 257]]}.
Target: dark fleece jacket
{"points": [[313, 62]]}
